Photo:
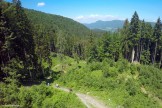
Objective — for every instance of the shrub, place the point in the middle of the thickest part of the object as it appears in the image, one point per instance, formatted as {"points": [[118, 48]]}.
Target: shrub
{"points": [[122, 65], [132, 87], [133, 68], [62, 100], [95, 66]]}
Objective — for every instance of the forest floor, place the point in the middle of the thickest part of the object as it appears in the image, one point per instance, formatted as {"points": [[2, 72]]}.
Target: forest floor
{"points": [[87, 100]]}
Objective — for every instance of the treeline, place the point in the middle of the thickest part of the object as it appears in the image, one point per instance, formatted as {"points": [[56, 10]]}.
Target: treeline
{"points": [[142, 41], [137, 41], [17, 48]]}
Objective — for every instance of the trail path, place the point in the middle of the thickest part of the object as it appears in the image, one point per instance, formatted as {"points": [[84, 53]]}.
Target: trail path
{"points": [[88, 101]]}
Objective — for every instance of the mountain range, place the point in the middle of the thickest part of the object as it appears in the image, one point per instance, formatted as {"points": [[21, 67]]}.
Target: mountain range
{"points": [[108, 25]]}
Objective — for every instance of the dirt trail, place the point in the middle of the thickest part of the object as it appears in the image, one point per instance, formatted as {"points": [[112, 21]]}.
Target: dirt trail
{"points": [[88, 101]]}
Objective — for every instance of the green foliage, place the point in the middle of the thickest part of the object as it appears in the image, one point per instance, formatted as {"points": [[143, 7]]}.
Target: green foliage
{"points": [[145, 57], [62, 99], [9, 93], [95, 66], [28, 38], [140, 42], [53, 33], [131, 87], [151, 78], [106, 73], [41, 96], [16, 41], [120, 81], [57, 23], [12, 71], [34, 96], [140, 98], [122, 65]]}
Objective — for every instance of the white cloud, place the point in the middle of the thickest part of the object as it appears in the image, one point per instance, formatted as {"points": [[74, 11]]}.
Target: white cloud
{"points": [[95, 17], [41, 4]]}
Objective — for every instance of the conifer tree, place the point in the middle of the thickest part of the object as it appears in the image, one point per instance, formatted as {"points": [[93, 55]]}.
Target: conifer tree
{"points": [[146, 33], [24, 38], [125, 40], [135, 37], [6, 37], [156, 40]]}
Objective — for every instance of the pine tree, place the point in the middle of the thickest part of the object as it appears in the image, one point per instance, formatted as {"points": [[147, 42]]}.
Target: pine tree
{"points": [[42, 47], [106, 41], [125, 40], [135, 37], [6, 37], [23, 43], [145, 41], [92, 49], [156, 41]]}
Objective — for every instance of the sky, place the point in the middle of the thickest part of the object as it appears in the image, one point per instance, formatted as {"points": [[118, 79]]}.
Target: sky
{"points": [[88, 11]]}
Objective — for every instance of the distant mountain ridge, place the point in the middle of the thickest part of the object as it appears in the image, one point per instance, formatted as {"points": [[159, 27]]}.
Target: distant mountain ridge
{"points": [[108, 25]]}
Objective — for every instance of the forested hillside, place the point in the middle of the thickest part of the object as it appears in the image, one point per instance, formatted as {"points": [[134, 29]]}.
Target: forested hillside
{"points": [[56, 22], [34, 47]]}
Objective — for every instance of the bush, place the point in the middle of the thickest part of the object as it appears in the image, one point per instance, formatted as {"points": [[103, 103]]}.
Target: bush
{"points": [[133, 68], [62, 100], [106, 74], [47, 97], [122, 65], [8, 93], [95, 66], [121, 81], [131, 87]]}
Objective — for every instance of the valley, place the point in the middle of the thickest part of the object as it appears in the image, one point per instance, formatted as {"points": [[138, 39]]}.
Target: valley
{"points": [[51, 61]]}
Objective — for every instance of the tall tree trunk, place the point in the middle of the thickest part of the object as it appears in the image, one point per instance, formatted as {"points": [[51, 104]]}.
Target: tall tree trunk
{"points": [[9, 58], [31, 76], [133, 54], [141, 49], [148, 48], [154, 55], [160, 59], [136, 54], [41, 64]]}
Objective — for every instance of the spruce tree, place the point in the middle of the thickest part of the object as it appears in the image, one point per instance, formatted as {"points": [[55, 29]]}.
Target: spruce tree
{"points": [[23, 43], [6, 37], [156, 41], [135, 37], [125, 40]]}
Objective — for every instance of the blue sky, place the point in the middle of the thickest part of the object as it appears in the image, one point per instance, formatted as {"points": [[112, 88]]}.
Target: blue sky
{"points": [[87, 11]]}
